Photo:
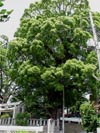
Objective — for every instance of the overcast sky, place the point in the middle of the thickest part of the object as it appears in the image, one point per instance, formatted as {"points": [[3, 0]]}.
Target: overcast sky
{"points": [[10, 27]]}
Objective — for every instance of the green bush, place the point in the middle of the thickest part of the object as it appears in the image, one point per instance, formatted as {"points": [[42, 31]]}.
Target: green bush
{"points": [[4, 116], [24, 132], [89, 117], [21, 118]]}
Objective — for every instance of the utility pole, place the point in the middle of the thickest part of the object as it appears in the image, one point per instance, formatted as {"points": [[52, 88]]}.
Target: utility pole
{"points": [[96, 43], [63, 121], [1, 78], [95, 38]]}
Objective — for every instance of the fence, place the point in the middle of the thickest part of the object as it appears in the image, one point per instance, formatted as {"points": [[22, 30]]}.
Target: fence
{"points": [[34, 125], [30, 122], [20, 129]]}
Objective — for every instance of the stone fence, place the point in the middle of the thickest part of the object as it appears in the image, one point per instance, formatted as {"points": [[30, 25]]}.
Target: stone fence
{"points": [[14, 129], [35, 125], [30, 122]]}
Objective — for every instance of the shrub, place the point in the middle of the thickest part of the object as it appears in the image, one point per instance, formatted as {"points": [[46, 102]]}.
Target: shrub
{"points": [[4, 116], [24, 132], [89, 117], [21, 118]]}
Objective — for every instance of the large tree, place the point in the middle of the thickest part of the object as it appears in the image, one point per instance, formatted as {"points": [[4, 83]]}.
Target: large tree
{"points": [[49, 55]]}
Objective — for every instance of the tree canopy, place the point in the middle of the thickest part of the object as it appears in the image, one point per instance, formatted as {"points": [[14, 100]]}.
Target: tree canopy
{"points": [[4, 79], [50, 54], [5, 82]]}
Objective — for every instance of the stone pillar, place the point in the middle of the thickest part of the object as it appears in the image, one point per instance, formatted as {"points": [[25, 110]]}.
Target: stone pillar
{"points": [[50, 126]]}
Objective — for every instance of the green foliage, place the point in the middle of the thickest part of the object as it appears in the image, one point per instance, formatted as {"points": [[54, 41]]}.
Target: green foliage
{"points": [[24, 132], [47, 9], [21, 118], [89, 117], [1, 4], [5, 81], [50, 54], [4, 116], [92, 58], [2, 64], [4, 14]]}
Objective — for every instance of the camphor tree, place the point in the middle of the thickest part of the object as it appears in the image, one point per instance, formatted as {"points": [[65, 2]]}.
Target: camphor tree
{"points": [[49, 55]]}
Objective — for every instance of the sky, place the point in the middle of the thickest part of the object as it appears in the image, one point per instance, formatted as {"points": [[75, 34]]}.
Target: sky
{"points": [[9, 28]]}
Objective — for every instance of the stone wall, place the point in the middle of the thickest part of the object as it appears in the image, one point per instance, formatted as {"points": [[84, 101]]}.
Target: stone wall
{"points": [[73, 128]]}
